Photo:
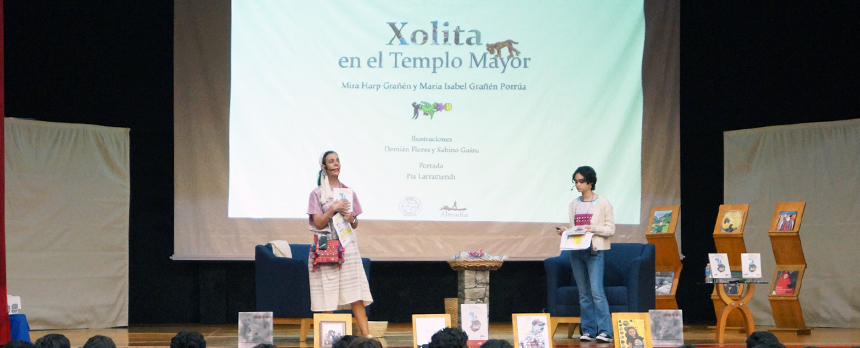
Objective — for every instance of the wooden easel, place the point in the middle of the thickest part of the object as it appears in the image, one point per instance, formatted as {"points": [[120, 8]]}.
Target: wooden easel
{"points": [[668, 259], [730, 240], [788, 254]]}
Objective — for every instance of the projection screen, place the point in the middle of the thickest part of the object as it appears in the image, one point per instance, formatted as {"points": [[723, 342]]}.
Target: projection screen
{"points": [[458, 126]]}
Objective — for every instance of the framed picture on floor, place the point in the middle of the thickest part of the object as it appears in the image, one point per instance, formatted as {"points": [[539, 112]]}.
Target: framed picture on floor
{"points": [[475, 322], [425, 325], [631, 330], [667, 327], [530, 330], [328, 328], [255, 328]]}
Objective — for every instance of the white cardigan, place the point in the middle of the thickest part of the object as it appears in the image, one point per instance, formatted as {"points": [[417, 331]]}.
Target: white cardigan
{"points": [[602, 222]]}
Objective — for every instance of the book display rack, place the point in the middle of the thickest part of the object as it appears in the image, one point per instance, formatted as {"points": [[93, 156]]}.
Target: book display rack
{"points": [[784, 236], [667, 265], [729, 239]]}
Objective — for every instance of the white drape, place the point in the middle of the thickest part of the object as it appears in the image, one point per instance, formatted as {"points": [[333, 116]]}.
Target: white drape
{"points": [[67, 211], [817, 163]]}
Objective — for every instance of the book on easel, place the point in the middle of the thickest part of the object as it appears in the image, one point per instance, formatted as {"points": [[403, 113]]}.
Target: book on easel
{"points": [[661, 221], [667, 264], [729, 232], [732, 221]]}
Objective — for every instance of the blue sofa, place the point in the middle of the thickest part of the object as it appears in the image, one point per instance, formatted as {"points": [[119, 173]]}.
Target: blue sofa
{"points": [[628, 281], [282, 285]]}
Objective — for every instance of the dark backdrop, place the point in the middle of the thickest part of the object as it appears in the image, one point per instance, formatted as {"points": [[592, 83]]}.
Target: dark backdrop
{"points": [[110, 63]]}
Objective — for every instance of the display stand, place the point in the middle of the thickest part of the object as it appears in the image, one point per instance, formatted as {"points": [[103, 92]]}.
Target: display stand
{"points": [[729, 239], [661, 233], [745, 290], [790, 263], [473, 281]]}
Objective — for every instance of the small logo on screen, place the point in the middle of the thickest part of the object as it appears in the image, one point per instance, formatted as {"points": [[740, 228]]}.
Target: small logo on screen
{"points": [[453, 211], [428, 109], [410, 206]]}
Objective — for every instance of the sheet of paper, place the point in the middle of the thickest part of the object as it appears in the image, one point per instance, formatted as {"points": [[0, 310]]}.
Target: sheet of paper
{"points": [[720, 266], [426, 327], [751, 263], [343, 229], [475, 321], [575, 240], [343, 193]]}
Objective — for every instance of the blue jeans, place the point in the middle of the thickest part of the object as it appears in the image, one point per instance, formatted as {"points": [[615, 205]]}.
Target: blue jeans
{"points": [[588, 273]]}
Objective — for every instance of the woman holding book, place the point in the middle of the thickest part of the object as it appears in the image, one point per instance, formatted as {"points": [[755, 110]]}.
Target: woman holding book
{"points": [[634, 340], [591, 213], [336, 286]]}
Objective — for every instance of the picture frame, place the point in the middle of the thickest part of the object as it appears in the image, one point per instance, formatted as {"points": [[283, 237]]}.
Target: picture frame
{"points": [[664, 219], [474, 319], [425, 325], [787, 281], [255, 328], [330, 327], [531, 330], [667, 327], [631, 330]]}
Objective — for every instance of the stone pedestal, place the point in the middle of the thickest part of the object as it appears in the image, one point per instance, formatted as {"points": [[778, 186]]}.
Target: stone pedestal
{"points": [[473, 281], [472, 287]]}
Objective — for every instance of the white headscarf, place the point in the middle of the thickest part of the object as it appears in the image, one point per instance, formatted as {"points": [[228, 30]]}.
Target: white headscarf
{"points": [[325, 188]]}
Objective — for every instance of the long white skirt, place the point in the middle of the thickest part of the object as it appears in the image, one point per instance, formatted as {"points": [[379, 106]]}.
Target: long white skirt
{"points": [[334, 288]]}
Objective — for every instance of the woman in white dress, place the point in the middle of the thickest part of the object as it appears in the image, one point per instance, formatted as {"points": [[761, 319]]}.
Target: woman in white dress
{"points": [[333, 286]]}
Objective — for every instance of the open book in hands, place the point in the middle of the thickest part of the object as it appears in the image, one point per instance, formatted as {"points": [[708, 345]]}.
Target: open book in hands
{"points": [[575, 239]]}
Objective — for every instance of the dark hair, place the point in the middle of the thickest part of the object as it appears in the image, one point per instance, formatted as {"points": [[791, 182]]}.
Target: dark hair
{"points": [[770, 345], [630, 339], [188, 339], [343, 341], [265, 345], [687, 346], [365, 342], [99, 341], [761, 337], [449, 337], [53, 341], [495, 343], [322, 161], [589, 174], [18, 344]]}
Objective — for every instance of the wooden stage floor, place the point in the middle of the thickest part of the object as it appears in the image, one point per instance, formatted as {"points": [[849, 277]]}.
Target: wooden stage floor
{"points": [[400, 335]]}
